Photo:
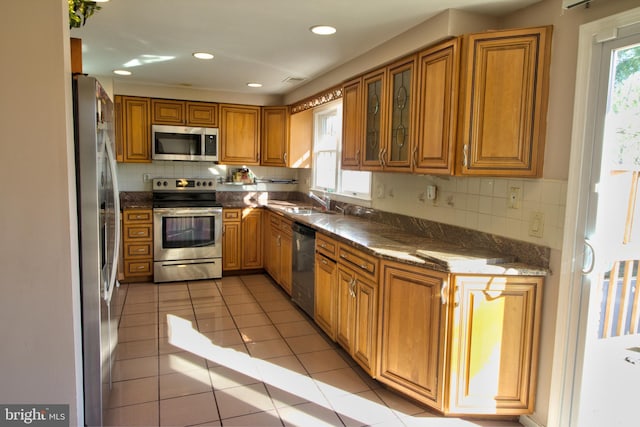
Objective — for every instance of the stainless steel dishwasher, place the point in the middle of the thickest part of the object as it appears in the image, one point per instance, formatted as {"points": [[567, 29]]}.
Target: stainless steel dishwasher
{"points": [[303, 286]]}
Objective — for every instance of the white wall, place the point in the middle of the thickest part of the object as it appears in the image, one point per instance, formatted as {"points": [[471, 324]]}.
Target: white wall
{"points": [[40, 356]]}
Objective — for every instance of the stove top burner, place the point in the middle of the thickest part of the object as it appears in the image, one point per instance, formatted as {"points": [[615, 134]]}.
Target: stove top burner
{"points": [[184, 192]]}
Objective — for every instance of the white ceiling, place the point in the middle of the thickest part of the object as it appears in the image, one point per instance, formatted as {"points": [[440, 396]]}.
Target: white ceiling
{"points": [[266, 41]]}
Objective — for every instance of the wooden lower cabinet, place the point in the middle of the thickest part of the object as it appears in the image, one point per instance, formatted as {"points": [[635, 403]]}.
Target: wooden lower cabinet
{"points": [[241, 239], [494, 344], [137, 244], [412, 332], [326, 276], [231, 239], [462, 344], [357, 317], [278, 250], [251, 239]]}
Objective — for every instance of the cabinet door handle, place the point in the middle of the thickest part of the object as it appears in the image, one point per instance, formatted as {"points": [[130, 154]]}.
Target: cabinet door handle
{"points": [[324, 261], [285, 158], [364, 267], [444, 292], [358, 157], [465, 155], [414, 158], [352, 286]]}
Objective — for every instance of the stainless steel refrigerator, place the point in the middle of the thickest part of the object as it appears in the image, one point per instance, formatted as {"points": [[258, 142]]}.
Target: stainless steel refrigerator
{"points": [[99, 240]]}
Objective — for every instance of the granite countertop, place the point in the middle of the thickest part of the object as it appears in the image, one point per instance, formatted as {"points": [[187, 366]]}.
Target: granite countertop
{"points": [[382, 240], [389, 242]]}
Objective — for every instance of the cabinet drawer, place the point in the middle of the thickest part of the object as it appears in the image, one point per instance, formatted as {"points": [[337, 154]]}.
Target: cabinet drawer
{"points": [[138, 215], [365, 264], [231, 214], [138, 268], [138, 231], [138, 250], [326, 246]]}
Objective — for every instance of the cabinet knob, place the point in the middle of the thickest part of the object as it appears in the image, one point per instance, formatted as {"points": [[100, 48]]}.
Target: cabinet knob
{"points": [[465, 155]]}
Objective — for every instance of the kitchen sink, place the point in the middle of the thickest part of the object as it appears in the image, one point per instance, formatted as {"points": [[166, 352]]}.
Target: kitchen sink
{"points": [[300, 210]]}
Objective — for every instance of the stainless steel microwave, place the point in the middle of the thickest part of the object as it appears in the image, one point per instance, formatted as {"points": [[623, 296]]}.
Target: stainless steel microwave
{"points": [[184, 143]]}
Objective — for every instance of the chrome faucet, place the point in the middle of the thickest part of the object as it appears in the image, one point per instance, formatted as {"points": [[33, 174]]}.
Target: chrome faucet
{"points": [[325, 202]]}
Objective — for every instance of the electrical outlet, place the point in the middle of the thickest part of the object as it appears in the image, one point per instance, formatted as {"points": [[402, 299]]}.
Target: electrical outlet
{"points": [[380, 191], [513, 198], [146, 177], [536, 224]]}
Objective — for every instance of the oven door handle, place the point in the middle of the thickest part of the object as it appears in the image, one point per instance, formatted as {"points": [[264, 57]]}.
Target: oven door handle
{"points": [[187, 211]]}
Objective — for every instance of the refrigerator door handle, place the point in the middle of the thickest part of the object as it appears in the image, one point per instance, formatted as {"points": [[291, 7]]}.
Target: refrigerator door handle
{"points": [[116, 207]]}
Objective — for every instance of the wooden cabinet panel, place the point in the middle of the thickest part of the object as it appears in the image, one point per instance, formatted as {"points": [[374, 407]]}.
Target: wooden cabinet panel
{"points": [[438, 69], [365, 324], [202, 114], [351, 124], [137, 243], [167, 112], [134, 129], [286, 261], [252, 238], [231, 250], [345, 306], [300, 140], [412, 331], [494, 344], [505, 94], [325, 290], [239, 134], [278, 251], [398, 141], [275, 136]]}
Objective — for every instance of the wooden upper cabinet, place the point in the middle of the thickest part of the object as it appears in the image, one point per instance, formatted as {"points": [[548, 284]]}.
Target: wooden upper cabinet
{"points": [[436, 120], [202, 114], [275, 136], [373, 124], [299, 154], [167, 112], [239, 134], [494, 344], [133, 136], [187, 113], [399, 132], [504, 96], [351, 124]]}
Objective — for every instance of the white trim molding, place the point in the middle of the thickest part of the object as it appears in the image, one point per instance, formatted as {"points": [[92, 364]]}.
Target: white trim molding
{"points": [[572, 304]]}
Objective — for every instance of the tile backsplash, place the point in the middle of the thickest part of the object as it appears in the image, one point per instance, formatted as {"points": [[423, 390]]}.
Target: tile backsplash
{"points": [[521, 209], [531, 210]]}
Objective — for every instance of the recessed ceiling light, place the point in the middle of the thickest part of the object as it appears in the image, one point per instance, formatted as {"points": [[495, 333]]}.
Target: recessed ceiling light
{"points": [[203, 55], [254, 84], [122, 72], [323, 30], [100, 1]]}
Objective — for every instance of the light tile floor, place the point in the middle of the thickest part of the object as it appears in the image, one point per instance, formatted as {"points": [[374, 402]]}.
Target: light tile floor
{"points": [[237, 352]]}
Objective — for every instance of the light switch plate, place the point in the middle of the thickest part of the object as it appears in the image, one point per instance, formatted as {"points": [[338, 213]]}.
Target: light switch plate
{"points": [[536, 224]]}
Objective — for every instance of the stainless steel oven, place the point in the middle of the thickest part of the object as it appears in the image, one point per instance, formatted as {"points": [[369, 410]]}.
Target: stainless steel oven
{"points": [[187, 230]]}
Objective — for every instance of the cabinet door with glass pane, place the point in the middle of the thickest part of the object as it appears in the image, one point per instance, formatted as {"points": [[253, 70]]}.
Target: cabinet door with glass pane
{"points": [[398, 141], [374, 120]]}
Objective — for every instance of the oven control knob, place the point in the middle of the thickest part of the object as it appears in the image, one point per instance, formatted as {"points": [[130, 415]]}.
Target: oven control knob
{"points": [[165, 183], [210, 184], [198, 184]]}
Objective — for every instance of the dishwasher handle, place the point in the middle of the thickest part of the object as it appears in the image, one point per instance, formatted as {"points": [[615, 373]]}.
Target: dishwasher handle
{"points": [[303, 229]]}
